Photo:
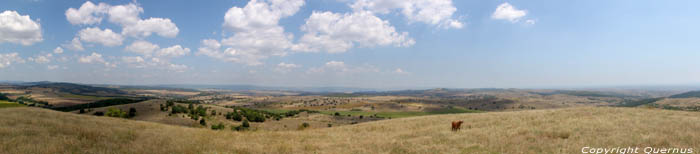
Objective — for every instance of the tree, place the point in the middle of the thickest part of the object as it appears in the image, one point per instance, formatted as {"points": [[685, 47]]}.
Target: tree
{"points": [[202, 122], [245, 123], [115, 112], [132, 112], [237, 116]]}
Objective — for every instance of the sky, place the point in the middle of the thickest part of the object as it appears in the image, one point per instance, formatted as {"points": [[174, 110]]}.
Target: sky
{"points": [[353, 43]]}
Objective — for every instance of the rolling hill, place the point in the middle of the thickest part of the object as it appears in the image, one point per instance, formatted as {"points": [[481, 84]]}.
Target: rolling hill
{"points": [[35, 130]]}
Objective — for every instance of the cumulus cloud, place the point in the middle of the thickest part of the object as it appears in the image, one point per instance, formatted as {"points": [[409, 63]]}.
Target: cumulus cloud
{"points": [[20, 29], [334, 32], [148, 49], [125, 15], [74, 44], [142, 47], [87, 14], [140, 62], [257, 34], [105, 37], [173, 51], [433, 12], [93, 58], [508, 12], [9, 58], [144, 28], [286, 67], [41, 59], [58, 50]]}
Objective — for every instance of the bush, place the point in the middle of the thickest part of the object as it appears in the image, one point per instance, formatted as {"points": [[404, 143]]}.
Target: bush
{"points": [[245, 124], [81, 111], [304, 126], [114, 112], [203, 122], [218, 127], [132, 112], [98, 113], [337, 114], [330, 125]]}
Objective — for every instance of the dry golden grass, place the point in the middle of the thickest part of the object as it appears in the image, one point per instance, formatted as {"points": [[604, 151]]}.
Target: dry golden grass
{"points": [[34, 130]]}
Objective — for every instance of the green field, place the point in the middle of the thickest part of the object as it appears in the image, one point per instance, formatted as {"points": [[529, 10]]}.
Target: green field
{"points": [[5, 104]]}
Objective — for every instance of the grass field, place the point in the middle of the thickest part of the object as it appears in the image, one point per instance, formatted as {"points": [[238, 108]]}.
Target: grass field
{"points": [[35, 130], [4, 104], [400, 114]]}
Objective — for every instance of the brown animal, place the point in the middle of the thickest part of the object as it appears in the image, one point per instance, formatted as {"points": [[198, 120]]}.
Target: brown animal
{"points": [[456, 125]]}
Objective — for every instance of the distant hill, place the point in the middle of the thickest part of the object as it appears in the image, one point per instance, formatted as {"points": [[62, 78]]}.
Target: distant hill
{"points": [[77, 89], [690, 94], [35, 130]]}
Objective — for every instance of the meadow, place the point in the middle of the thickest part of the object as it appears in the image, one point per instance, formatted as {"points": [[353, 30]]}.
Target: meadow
{"points": [[533, 131]]}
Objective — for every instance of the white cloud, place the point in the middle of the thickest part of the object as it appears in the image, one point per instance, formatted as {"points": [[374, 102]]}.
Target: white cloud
{"points": [[341, 67], [87, 14], [400, 71], [93, 58], [125, 15], [58, 50], [433, 12], [148, 49], [211, 47], [41, 59], [74, 44], [105, 37], [9, 58], [154, 62], [530, 22], [136, 59], [286, 67], [506, 11], [257, 34], [144, 28], [142, 47], [21, 29], [51, 67], [173, 51], [334, 32]]}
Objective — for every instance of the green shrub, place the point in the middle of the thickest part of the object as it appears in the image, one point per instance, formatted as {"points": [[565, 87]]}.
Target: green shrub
{"points": [[245, 124], [203, 122], [218, 126], [98, 113], [132, 112], [114, 112]]}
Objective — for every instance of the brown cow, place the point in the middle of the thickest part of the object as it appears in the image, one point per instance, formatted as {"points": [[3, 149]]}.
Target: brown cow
{"points": [[456, 125]]}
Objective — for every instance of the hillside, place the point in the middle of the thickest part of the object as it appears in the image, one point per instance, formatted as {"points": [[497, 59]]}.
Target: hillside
{"points": [[34, 130]]}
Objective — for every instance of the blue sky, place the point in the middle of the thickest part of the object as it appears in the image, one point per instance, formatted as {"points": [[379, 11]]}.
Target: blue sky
{"points": [[354, 43]]}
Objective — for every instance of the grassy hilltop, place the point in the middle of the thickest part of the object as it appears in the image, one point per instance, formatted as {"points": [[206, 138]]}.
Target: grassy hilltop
{"points": [[35, 130]]}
